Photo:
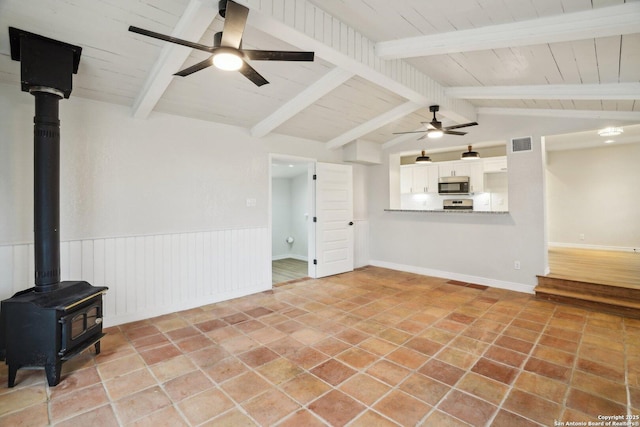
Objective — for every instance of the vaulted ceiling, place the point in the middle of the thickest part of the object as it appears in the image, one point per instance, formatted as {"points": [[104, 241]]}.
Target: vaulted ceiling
{"points": [[378, 66]]}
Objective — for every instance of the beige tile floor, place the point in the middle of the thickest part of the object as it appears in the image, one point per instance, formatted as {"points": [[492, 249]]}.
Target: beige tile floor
{"points": [[373, 347]]}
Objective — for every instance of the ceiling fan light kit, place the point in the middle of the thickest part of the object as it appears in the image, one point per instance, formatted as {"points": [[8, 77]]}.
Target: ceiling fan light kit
{"points": [[226, 52], [434, 128], [227, 60]]}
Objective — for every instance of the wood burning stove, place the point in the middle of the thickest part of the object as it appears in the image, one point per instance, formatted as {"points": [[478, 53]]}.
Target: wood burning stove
{"points": [[47, 329], [53, 321]]}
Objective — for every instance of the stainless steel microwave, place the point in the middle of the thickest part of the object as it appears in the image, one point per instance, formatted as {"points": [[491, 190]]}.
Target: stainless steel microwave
{"points": [[453, 185]]}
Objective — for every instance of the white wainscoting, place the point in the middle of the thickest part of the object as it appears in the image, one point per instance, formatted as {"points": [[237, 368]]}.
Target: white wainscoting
{"points": [[153, 275]]}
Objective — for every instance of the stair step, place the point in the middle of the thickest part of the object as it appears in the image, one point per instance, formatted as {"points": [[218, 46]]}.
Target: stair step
{"points": [[582, 296], [618, 306], [590, 289]]}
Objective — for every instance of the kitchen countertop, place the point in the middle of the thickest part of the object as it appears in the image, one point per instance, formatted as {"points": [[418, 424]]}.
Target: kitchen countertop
{"points": [[449, 211]]}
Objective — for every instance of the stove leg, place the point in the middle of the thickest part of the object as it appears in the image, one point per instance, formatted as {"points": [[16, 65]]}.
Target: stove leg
{"points": [[13, 370], [97, 347], [53, 373]]}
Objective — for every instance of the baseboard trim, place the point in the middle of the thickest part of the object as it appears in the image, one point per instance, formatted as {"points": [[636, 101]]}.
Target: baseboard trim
{"points": [[294, 256], [595, 247], [511, 286]]}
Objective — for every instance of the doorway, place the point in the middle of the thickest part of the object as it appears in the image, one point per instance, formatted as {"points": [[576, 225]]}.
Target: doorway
{"points": [[291, 218], [311, 218]]}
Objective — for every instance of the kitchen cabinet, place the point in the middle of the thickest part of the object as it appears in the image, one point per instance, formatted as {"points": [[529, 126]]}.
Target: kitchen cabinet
{"points": [[406, 178], [471, 168], [495, 164], [415, 179], [476, 176], [455, 168]]}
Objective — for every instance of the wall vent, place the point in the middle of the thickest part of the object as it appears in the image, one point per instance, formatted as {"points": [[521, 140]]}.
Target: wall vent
{"points": [[521, 144]]}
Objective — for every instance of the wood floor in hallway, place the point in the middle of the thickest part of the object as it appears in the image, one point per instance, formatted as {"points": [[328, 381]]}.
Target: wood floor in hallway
{"points": [[615, 268], [285, 270]]}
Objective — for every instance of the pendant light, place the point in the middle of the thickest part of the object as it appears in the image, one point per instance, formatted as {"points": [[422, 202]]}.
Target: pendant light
{"points": [[423, 158], [470, 155]]}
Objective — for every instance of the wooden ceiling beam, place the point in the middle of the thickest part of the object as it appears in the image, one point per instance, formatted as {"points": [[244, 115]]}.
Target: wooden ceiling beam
{"points": [[633, 116], [601, 22], [311, 94], [608, 91], [373, 124], [193, 23]]}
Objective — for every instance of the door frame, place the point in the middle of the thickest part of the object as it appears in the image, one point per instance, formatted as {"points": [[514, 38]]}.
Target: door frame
{"points": [[311, 167]]}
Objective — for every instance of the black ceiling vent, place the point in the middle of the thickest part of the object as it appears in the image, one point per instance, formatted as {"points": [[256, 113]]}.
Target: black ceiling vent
{"points": [[521, 144]]}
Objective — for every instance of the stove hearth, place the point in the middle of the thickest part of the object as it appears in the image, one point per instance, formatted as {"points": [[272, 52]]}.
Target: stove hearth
{"points": [[48, 324]]}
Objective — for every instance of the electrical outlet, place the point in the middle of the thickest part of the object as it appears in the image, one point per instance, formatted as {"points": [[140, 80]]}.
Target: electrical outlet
{"points": [[516, 265], [581, 236]]}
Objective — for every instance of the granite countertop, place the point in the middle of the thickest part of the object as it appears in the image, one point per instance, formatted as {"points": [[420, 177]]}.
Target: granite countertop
{"points": [[450, 211]]}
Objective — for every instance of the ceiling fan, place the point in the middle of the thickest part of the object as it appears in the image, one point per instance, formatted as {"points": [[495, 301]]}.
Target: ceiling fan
{"points": [[227, 52], [434, 128]]}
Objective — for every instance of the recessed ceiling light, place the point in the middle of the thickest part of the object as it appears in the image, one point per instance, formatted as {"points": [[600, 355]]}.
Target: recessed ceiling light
{"points": [[609, 141], [610, 131]]}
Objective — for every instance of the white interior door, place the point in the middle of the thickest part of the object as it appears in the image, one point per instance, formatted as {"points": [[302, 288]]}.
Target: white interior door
{"points": [[333, 219]]}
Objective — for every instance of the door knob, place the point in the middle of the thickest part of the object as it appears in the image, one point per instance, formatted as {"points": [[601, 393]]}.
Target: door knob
{"points": [[350, 222]]}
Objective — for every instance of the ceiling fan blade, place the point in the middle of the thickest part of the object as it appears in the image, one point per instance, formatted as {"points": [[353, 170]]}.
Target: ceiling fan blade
{"points": [[234, 23], [252, 74], [413, 131], [429, 125], [453, 132], [464, 125], [170, 39], [277, 55], [196, 67]]}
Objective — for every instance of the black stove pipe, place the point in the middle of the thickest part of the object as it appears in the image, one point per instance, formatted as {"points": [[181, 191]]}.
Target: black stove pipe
{"points": [[46, 139]]}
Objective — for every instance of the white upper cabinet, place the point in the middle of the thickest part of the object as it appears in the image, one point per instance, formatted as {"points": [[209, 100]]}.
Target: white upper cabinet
{"points": [[418, 179], [454, 168], [495, 164]]}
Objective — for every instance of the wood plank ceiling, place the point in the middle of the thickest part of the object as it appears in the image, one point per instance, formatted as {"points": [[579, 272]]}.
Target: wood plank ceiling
{"points": [[379, 64]]}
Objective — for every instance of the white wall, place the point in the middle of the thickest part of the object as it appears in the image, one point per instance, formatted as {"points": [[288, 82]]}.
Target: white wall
{"points": [[290, 200], [281, 219], [143, 181], [478, 248], [593, 192], [300, 203]]}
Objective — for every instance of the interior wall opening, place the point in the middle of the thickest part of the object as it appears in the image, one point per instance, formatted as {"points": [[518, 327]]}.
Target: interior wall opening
{"points": [[291, 215]]}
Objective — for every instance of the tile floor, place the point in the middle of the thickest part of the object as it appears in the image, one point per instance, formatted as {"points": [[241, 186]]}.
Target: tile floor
{"points": [[370, 348]]}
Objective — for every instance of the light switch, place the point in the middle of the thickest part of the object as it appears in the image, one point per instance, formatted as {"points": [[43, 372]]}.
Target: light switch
{"points": [[251, 203]]}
